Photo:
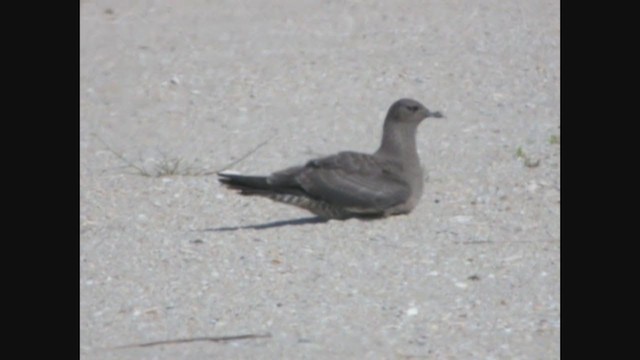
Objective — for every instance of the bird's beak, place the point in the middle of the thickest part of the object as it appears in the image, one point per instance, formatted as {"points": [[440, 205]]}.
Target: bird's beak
{"points": [[435, 114]]}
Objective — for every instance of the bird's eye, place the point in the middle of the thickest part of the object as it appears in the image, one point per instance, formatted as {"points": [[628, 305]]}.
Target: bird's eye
{"points": [[413, 108]]}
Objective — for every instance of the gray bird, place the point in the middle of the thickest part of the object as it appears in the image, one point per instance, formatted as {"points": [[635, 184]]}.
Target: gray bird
{"points": [[351, 184]]}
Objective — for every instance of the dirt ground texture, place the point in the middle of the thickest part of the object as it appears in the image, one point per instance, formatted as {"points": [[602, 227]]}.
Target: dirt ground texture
{"points": [[173, 91]]}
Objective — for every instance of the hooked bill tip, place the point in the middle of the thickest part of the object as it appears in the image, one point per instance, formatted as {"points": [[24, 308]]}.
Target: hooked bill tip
{"points": [[436, 114]]}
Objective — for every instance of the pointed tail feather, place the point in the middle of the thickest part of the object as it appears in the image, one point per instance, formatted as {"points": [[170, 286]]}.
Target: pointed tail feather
{"points": [[248, 185], [259, 185]]}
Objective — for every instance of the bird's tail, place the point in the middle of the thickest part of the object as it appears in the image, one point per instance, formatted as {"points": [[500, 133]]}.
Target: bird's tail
{"points": [[248, 185]]}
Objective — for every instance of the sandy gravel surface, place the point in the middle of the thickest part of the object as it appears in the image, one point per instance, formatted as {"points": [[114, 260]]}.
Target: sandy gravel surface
{"points": [[471, 273]]}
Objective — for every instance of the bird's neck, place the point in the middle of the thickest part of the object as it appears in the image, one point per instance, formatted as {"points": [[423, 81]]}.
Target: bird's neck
{"points": [[399, 141]]}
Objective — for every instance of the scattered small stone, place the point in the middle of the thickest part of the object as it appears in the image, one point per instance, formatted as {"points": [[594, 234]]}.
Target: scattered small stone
{"points": [[474, 277], [461, 285], [462, 219], [530, 163], [197, 241], [532, 187]]}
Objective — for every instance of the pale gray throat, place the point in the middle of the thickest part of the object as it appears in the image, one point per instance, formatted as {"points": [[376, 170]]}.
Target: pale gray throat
{"points": [[399, 141]]}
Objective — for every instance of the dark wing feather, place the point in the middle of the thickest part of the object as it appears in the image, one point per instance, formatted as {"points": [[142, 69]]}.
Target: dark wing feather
{"points": [[354, 180]]}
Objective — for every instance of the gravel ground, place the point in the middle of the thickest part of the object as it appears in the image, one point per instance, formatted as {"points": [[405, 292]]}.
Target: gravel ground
{"points": [[181, 89]]}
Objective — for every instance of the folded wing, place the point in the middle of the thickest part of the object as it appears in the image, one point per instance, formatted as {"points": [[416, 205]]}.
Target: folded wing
{"points": [[358, 182]]}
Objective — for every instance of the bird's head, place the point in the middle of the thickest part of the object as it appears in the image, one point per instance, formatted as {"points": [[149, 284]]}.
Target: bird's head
{"points": [[409, 110]]}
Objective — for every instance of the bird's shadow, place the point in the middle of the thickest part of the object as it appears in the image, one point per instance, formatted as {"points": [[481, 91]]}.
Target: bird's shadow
{"points": [[273, 224]]}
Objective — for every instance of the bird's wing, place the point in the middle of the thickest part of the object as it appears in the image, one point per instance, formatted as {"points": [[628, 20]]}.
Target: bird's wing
{"points": [[355, 181]]}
